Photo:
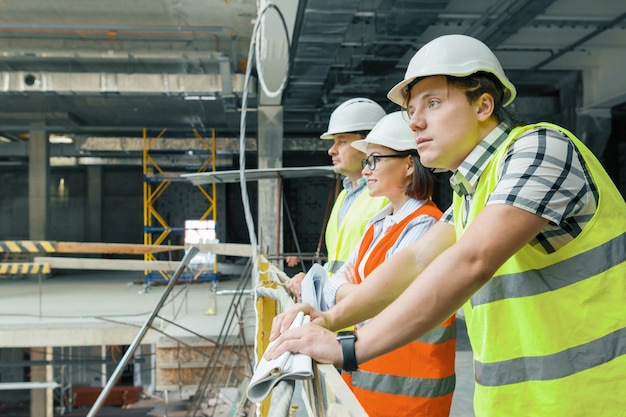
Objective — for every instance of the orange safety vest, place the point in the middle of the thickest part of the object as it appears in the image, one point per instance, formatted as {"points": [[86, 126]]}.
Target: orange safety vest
{"points": [[417, 379]]}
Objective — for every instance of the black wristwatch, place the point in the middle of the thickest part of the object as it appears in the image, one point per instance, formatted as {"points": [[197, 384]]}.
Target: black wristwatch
{"points": [[347, 340]]}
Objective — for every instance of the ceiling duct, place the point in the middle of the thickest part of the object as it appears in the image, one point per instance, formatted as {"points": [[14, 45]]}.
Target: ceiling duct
{"points": [[322, 30], [122, 83]]}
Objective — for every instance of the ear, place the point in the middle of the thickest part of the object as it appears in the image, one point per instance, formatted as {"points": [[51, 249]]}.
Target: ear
{"points": [[410, 168], [484, 107]]}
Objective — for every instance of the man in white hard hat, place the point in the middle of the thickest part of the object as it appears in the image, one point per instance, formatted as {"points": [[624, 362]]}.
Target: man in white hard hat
{"points": [[350, 121], [533, 247]]}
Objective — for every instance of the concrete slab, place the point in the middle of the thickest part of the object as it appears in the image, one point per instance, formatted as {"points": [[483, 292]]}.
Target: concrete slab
{"points": [[87, 308]]}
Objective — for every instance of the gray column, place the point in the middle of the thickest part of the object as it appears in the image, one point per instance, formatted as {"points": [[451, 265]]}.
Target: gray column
{"points": [[41, 399], [38, 179], [270, 155], [93, 226], [274, 67]]}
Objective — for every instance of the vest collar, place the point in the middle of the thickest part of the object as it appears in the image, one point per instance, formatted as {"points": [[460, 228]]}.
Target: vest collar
{"points": [[464, 180], [347, 184]]}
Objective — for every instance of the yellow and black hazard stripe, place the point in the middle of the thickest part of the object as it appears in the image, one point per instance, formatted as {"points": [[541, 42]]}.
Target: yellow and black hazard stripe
{"points": [[24, 268], [27, 246]]}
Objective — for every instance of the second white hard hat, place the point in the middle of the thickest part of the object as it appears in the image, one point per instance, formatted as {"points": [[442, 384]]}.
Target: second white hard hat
{"points": [[354, 115], [392, 131], [456, 55]]}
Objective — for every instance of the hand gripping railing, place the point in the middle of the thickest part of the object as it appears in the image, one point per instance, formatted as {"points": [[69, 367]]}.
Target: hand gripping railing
{"points": [[326, 394]]}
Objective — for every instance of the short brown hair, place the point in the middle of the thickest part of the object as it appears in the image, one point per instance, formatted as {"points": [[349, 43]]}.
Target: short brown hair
{"points": [[474, 85], [423, 181]]}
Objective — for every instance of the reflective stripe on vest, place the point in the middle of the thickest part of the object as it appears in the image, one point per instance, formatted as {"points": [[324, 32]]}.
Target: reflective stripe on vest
{"points": [[548, 331], [334, 266], [553, 366], [578, 268], [439, 334], [402, 385]]}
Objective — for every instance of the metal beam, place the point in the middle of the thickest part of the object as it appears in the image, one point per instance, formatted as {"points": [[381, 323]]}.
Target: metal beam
{"points": [[5, 386], [142, 332]]}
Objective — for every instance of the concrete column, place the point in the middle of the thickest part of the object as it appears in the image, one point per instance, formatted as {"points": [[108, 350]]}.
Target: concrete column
{"points": [[103, 367], [153, 368], [270, 155], [593, 128], [41, 399], [137, 380], [274, 67], [93, 217], [38, 179], [570, 93]]}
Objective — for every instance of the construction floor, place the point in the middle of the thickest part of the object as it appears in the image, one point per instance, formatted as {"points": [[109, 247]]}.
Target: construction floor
{"points": [[101, 307]]}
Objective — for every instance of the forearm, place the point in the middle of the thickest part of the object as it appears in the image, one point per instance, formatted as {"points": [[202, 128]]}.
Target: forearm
{"points": [[390, 279], [449, 280], [426, 303], [437, 286], [344, 291]]}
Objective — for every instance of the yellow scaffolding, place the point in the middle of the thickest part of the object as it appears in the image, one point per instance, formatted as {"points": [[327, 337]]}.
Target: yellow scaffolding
{"points": [[157, 180]]}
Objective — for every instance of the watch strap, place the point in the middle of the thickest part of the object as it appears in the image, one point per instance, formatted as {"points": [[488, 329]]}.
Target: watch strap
{"points": [[349, 355]]}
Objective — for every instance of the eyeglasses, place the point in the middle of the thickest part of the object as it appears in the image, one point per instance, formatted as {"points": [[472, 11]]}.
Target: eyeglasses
{"points": [[371, 160]]}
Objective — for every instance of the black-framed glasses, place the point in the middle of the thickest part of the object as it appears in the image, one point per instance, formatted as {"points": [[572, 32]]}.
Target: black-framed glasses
{"points": [[371, 160]]}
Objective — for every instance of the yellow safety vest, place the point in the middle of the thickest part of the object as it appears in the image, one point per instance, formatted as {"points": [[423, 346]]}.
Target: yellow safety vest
{"points": [[548, 331], [340, 240]]}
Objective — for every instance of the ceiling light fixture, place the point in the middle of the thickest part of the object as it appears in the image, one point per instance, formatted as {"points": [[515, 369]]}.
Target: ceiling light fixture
{"points": [[54, 138], [203, 98]]}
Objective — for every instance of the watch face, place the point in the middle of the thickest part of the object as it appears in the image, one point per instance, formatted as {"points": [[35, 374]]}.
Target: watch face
{"points": [[346, 335]]}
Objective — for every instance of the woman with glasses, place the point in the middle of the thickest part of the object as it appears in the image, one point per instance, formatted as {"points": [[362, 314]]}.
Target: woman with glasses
{"points": [[419, 378]]}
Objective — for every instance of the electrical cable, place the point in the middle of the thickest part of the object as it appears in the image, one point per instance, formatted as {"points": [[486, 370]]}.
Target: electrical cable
{"points": [[266, 90], [242, 148], [242, 128]]}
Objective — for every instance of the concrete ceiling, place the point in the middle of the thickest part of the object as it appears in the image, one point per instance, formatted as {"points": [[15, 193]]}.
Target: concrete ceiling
{"points": [[112, 68]]}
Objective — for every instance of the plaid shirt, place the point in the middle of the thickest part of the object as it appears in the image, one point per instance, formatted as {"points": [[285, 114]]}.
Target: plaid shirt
{"points": [[542, 173]]}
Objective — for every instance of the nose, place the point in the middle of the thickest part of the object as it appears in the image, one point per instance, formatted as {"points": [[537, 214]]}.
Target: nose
{"points": [[332, 150], [417, 122], [366, 171]]}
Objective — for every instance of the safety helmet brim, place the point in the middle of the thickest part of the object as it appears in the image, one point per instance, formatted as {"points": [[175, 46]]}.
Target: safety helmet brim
{"points": [[392, 131], [454, 55], [355, 115]]}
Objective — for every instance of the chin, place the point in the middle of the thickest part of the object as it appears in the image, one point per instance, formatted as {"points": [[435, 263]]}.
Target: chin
{"points": [[429, 163]]}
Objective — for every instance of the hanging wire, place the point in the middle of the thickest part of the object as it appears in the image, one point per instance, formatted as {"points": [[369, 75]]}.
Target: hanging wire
{"points": [[242, 128], [257, 46]]}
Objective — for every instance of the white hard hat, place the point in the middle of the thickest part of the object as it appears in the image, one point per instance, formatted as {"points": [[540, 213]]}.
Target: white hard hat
{"points": [[456, 55], [392, 131], [354, 115]]}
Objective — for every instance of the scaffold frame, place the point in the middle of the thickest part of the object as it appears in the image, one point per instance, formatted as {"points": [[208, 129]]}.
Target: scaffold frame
{"points": [[156, 180]]}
